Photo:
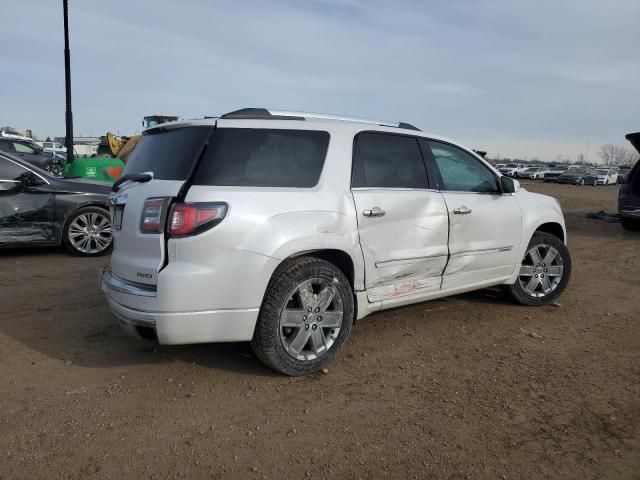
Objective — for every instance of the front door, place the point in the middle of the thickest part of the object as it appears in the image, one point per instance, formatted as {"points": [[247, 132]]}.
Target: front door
{"points": [[26, 205], [403, 225], [485, 225]]}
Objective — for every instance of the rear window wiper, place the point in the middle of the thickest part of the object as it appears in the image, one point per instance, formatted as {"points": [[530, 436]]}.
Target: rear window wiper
{"points": [[134, 177]]}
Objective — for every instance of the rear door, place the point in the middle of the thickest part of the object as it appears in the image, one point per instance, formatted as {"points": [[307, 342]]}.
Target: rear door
{"points": [[26, 205], [402, 224], [485, 225], [169, 154]]}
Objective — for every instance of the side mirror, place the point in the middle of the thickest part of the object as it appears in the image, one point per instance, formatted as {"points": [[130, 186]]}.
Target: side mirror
{"points": [[509, 185], [28, 179]]}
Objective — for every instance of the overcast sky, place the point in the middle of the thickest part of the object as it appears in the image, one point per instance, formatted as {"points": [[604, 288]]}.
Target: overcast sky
{"points": [[516, 78]]}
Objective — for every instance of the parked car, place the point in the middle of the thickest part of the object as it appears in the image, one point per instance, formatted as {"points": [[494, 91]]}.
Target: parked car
{"points": [[534, 173], [30, 152], [573, 175], [622, 171], [53, 147], [601, 176], [498, 166], [37, 209], [629, 194], [553, 173], [268, 235], [512, 169]]}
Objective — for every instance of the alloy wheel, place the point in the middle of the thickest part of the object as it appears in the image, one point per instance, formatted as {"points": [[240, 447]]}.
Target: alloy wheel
{"points": [[311, 320], [53, 168], [90, 233], [541, 271]]}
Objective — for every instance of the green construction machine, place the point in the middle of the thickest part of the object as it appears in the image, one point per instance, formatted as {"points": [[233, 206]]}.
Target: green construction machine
{"points": [[108, 163]]}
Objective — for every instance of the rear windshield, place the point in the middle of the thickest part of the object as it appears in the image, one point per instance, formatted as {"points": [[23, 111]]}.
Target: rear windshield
{"points": [[247, 157], [169, 154]]}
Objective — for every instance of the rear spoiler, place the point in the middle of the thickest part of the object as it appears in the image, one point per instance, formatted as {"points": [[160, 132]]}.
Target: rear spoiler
{"points": [[634, 138]]}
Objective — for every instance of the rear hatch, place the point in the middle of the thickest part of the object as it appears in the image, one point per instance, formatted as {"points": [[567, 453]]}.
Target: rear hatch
{"points": [[168, 154], [634, 174]]}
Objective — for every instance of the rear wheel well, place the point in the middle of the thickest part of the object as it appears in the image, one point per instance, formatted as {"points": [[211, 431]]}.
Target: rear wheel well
{"points": [[339, 258], [551, 228]]}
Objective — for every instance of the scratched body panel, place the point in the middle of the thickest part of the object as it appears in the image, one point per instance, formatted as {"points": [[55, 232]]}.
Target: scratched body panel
{"points": [[405, 250]]}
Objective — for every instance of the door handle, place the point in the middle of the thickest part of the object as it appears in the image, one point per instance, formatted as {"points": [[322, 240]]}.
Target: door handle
{"points": [[374, 212], [463, 210]]}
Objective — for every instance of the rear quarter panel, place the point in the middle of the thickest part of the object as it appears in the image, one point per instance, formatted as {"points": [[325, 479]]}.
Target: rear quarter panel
{"points": [[264, 226]]}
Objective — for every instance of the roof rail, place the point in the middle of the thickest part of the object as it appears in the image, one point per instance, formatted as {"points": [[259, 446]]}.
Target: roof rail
{"points": [[264, 114]]}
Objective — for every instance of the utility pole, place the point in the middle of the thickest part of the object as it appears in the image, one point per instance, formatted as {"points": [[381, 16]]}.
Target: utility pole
{"points": [[67, 84], [587, 151]]}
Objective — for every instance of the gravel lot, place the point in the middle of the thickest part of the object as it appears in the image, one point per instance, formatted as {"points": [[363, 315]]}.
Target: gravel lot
{"points": [[466, 387]]}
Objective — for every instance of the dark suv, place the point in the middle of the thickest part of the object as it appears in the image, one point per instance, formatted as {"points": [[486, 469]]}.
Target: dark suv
{"points": [[629, 196], [31, 153]]}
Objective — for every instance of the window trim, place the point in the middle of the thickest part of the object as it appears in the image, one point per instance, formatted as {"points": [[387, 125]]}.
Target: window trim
{"points": [[430, 184], [440, 181], [24, 167]]}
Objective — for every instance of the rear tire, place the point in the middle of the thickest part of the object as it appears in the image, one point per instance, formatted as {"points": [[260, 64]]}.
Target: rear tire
{"points": [[291, 335], [544, 273], [87, 232], [631, 225]]}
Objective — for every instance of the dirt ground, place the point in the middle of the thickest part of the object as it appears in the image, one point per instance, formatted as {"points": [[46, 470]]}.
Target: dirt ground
{"points": [[469, 387]]}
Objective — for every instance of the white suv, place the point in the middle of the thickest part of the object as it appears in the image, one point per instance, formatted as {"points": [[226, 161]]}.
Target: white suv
{"points": [[283, 228]]}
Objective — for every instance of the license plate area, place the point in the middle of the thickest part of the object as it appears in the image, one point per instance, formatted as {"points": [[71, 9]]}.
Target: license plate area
{"points": [[116, 217], [116, 204]]}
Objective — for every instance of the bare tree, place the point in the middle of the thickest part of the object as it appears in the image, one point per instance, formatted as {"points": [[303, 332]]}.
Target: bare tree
{"points": [[615, 155]]}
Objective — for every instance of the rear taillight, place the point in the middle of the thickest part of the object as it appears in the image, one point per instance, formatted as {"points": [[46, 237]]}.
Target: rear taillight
{"points": [[193, 218], [151, 219], [625, 179]]}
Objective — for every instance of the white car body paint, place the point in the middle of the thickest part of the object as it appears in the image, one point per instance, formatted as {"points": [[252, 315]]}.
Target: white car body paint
{"points": [[209, 287]]}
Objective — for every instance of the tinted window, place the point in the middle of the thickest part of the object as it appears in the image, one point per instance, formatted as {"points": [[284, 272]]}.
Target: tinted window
{"points": [[23, 148], [9, 170], [388, 161], [461, 171], [168, 154], [6, 146], [263, 158]]}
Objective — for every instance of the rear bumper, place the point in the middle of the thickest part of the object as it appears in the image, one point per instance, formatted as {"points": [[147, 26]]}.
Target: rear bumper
{"points": [[631, 212], [173, 328]]}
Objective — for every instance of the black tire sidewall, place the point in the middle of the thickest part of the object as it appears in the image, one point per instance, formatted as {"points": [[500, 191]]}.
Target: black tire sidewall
{"points": [[65, 231], [266, 341]]}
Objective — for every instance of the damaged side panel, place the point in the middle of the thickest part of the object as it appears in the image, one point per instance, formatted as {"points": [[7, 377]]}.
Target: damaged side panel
{"points": [[26, 213], [406, 248]]}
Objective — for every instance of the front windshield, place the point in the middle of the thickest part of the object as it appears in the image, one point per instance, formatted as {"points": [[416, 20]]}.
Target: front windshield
{"points": [[600, 172], [512, 165]]}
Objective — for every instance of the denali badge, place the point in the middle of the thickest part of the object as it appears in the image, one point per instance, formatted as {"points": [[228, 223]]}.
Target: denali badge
{"points": [[145, 275]]}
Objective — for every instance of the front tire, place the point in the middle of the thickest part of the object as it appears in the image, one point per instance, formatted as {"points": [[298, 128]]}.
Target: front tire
{"points": [[87, 232], [305, 318], [544, 272]]}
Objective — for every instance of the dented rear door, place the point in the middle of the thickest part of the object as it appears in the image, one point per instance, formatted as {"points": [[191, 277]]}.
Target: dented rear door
{"points": [[403, 225]]}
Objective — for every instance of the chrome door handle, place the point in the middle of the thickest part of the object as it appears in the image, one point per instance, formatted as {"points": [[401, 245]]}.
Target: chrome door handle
{"points": [[463, 210], [374, 212]]}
